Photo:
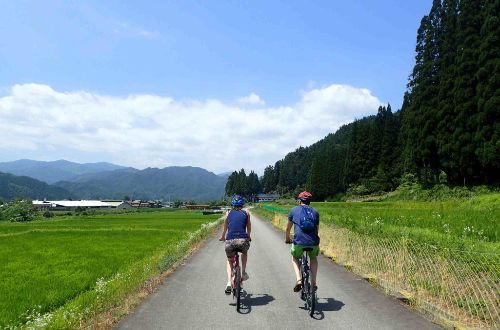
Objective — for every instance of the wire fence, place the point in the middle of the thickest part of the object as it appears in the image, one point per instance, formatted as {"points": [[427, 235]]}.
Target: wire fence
{"points": [[456, 288]]}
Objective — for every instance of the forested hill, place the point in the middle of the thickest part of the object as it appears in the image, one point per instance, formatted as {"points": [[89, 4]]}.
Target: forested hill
{"points": [[367, 151], [12, 186], [170, 183], [448, 129]]}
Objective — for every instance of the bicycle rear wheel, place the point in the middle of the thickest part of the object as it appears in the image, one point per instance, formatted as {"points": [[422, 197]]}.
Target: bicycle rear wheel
{"points": [[311, 295], [237, 279], [304, 281]]}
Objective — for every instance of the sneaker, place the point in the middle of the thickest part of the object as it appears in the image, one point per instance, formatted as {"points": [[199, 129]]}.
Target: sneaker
{"points": [[228, 288], [245, 276], [298, 286]]}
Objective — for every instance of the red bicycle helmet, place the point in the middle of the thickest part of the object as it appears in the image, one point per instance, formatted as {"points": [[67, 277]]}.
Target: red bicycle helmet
{"points": [[305, 196]]}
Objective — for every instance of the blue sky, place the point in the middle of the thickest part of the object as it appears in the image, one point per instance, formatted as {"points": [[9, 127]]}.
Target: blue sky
{"points": [[197, 51]]}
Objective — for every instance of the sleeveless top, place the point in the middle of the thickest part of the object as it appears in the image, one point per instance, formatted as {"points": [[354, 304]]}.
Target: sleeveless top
{"points": [[237, 224]]}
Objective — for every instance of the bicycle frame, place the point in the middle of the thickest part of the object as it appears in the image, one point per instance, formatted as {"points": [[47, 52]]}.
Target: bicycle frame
{"points": [[308, 293], [236, 279]]}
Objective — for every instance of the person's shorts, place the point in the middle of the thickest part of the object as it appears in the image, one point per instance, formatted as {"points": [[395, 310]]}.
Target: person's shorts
{"points": [[236, 245], [297, 250]]}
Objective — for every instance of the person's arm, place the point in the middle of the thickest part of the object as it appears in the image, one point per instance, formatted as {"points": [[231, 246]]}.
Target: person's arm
{"points": [[249, 227], [317, 226], [223, 236], [288, 239]]}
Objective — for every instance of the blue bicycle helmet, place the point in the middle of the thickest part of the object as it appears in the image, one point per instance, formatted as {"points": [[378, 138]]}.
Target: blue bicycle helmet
{"points": [[237, 201]]}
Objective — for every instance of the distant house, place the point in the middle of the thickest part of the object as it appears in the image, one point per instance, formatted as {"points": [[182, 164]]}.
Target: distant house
{"points": [[117, 204], [267, 197], [146, 204]]}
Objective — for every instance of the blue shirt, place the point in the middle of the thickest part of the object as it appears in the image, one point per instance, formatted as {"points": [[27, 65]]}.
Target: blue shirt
{"points": [[237, 224], [304, 238]]}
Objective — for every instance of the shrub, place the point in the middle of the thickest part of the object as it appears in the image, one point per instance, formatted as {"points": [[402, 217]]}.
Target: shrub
{"points": [[48, 214], [19, 211]]}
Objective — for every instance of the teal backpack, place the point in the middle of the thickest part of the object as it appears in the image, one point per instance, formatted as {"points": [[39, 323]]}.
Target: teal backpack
{"points": [[306, 222]]}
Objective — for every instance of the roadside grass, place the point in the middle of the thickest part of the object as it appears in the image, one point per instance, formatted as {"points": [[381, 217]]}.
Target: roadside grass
{"points": [[442, 257], [66, 261], [461, 224]]}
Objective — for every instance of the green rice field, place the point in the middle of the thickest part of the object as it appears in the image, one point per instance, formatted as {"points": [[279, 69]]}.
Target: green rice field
{"points": [[473, 224], [46, 264]]}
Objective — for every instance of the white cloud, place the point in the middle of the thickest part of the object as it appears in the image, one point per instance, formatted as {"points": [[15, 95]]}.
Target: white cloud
{"points": [[151, 130], [127, 29], [252, 99]]}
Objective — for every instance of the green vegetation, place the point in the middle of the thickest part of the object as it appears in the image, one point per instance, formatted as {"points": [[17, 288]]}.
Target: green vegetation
{"points": [[19, 211], [472, 224], [240, 183], [443, 256], [65, 263]]}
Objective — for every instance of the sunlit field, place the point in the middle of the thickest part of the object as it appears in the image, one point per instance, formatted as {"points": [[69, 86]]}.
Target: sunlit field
{"points": [[473, 223], [45, 264]]}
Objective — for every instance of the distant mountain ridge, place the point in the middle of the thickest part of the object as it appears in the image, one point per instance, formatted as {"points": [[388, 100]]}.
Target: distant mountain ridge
{"points": [[105, 180], [54, 171], [169, 183], [13, 186]]}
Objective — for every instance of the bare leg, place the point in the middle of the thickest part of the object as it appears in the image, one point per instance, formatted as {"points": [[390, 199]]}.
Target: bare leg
{"points": [[244, 257], [296, 267], [314, 269], [228, 268]]}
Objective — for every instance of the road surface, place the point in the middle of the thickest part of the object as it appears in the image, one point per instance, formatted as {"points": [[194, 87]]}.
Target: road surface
{"points": [[193, 296]]}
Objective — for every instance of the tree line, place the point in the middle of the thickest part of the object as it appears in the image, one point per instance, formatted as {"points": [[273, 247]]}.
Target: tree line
{"points": [[239, 183], [448, 129]]}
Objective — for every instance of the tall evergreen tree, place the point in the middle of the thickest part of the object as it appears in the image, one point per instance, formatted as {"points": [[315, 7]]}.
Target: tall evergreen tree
{"points": [[253, 184], [445, 113], [230, 184], [268, 181], [463, 161], [487, 136]]}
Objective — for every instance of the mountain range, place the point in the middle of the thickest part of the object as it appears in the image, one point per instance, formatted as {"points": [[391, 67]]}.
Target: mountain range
{"points": [[185, 183], [107, 181], [54, 171]]}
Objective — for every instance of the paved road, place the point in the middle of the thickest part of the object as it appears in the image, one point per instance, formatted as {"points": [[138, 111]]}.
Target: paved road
{"points": [[193, 297]]}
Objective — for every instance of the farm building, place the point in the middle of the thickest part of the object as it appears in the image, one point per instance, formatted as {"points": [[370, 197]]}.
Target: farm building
{"points": [[267, 197], [149, 204], [86, 204]]}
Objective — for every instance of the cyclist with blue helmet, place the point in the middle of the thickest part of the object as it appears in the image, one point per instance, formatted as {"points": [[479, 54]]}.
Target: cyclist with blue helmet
{"points": [[236, 234]]}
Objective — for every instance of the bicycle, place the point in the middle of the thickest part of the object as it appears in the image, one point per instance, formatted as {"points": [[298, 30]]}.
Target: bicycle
{"points": [[236, 280], [308, 291]]}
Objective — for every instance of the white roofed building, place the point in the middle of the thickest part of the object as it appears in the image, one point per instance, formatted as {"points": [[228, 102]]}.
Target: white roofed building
{"points": [[86, 204]]}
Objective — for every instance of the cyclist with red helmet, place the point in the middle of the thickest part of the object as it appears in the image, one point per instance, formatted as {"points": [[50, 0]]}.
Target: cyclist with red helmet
{"points": [[305, 222], [238, 227]]}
